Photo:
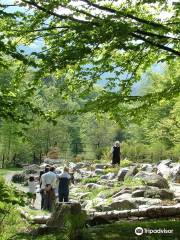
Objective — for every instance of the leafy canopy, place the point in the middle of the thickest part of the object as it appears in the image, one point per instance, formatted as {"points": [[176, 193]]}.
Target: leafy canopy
{"points": [[83, 42]]}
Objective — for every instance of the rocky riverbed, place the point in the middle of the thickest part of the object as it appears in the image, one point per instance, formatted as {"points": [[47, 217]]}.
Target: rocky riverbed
{"points": [[99, 187]]}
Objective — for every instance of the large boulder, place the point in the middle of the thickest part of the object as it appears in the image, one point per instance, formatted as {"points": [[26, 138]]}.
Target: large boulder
{"points": [[122, 173], [152, 179], [166, 162], [157, 181], [64, 212], [123, 204], [142, 201], [31, 169], [159, 193], [163, 170], [132, 171]]}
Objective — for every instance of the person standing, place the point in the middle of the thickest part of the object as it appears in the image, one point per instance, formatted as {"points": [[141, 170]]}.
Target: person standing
{"points": [[64, 181], [48, 186], [32, 190], [40, 185], [115, 153]]}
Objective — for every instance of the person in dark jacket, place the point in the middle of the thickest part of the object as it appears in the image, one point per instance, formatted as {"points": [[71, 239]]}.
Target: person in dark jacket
{"points": [[115, 153], [64, 181]]}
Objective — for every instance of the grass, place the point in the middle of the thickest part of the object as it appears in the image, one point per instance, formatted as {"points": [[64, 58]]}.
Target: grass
{"points": [[4, 171], [125, 230], [90, 180], [11, 225], [35, 212]]}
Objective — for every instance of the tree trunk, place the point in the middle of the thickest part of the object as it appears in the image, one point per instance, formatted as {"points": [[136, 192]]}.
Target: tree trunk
{"points": [[14, 160], [151, 212], [35, 219]]}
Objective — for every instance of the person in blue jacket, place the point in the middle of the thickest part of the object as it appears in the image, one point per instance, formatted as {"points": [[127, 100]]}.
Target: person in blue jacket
{"points": [[64, 182]]}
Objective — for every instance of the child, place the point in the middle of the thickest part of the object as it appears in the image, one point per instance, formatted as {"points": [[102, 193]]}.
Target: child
{"points": [[32, 190], [64, 179]]}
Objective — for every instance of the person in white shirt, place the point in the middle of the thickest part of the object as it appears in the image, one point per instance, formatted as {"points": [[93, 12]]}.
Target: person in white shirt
{"points": [[32, 190], [48, 186]]}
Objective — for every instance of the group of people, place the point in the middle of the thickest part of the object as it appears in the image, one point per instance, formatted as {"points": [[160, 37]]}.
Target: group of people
{"points": [[52, 184]]}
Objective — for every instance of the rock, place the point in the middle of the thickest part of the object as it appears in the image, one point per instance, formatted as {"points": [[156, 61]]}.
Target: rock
{"points": [[123, 196], [122, 173], [152, 179], [78, 166], [159, 193], [157, 181], [175, 187], [108, 176], [122, 205], [177, 199], [175, 173], [100, 166], [122, 192], [138, 193], [77, 177], [132, 171], [166, 162], [93, 185], [62, 212], [99, 171], [139, 201], [18, 178], [31, 169], [147, 167], [163, 170], [143, 175]]}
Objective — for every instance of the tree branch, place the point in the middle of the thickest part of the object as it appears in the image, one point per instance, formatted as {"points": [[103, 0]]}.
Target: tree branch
{"points": [[160, 46], [156, 35], [128, 15], [62, 17]]}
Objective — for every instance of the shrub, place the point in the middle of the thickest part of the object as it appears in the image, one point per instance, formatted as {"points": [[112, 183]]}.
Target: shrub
{"points": [[130, 182], [74, 225], [9, 196], [18, 178], [91, 180], [125, 163]]}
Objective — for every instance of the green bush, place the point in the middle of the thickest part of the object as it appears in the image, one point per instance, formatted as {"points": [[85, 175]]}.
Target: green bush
{"points": [[125, 163], [74, 225], [91, 180], [9, 197]]}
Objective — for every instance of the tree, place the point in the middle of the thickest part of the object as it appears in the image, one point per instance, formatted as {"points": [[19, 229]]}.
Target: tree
{"points": [[85, 41]]}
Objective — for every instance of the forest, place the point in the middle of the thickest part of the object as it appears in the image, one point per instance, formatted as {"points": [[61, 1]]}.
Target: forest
{"points": [[78, 76], [151, 135]]}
